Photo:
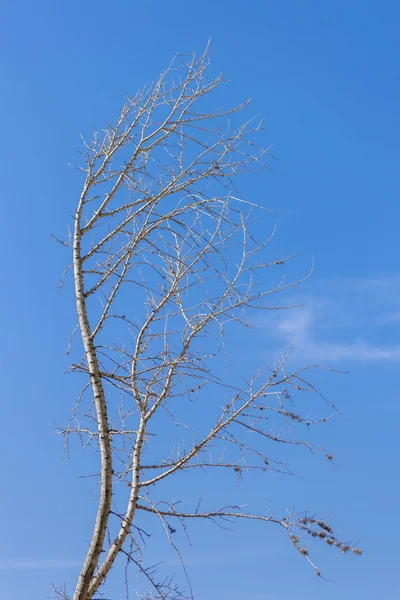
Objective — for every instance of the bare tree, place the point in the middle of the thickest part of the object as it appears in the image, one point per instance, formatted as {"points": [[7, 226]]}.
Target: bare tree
{"points": [[164, 259]]}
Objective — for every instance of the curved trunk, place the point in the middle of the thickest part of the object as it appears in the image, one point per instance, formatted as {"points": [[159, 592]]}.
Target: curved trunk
{"points": [[103, 512]]}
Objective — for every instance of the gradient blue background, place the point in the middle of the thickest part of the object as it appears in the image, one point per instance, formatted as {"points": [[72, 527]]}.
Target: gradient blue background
{"points": [[327, 77]]}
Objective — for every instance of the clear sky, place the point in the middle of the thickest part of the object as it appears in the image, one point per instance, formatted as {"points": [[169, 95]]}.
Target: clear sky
{"points": [[327, 78]]}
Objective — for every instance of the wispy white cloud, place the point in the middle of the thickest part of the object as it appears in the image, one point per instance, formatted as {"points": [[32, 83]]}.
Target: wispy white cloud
{"points": [[345, 320], [25, 564], [253, 596]]}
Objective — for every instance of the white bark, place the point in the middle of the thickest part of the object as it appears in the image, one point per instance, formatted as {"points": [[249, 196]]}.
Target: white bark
{"points": [[100, 528]]}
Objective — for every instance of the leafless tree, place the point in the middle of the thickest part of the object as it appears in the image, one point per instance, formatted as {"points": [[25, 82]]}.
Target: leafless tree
{"points": [[163, 260]]}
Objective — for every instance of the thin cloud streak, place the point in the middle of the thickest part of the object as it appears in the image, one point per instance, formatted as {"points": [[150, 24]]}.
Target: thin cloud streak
{"points": [[340, 312], [25, 564]]}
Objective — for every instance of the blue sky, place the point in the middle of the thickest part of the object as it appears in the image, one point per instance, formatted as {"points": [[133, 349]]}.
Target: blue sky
{"points": [[327, 78]]}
